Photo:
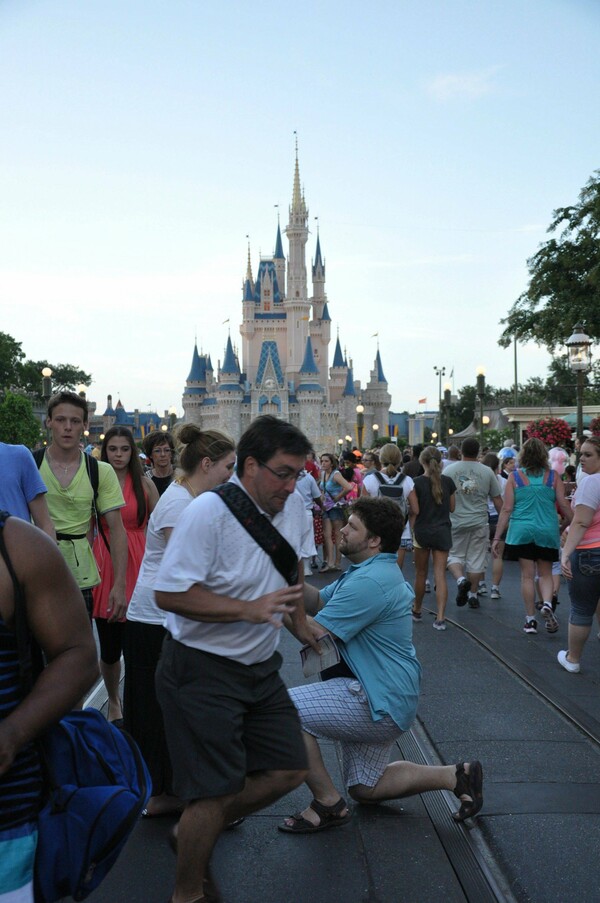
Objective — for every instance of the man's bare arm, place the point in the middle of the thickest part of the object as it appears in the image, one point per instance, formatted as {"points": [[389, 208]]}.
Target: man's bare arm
{"points": [[58, 620], [38, 508]]}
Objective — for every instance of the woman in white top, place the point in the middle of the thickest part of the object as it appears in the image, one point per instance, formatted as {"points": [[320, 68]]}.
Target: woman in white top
{"points": [[391, 467], [207, 458]]}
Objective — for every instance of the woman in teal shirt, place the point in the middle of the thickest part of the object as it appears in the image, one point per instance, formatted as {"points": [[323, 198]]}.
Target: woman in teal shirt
{"points": [[533, 496]]}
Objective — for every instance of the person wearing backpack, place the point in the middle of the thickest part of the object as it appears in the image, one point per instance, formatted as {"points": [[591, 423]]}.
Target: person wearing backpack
{"points": [[392, 483], [59, 625], [79, 489]]}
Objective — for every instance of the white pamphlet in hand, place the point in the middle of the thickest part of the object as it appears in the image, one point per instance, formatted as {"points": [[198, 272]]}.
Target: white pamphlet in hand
{"points": [[313, 663]]}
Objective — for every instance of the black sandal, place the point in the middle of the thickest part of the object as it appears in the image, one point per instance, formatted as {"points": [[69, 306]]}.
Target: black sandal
{"points": [[471, 785], [330, 817]]}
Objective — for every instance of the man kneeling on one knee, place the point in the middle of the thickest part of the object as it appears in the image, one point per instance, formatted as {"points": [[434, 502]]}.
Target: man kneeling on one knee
{"points": [[368, 699]]}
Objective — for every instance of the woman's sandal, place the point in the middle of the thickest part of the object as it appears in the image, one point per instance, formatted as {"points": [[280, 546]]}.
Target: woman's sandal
{"points": [[471, 785], [330, 817]]}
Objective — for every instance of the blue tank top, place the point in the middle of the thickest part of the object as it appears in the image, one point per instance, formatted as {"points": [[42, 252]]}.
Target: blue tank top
{"points": [[534, 517]]}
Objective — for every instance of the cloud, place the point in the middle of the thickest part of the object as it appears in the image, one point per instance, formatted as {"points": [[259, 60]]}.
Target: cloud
{"points": [[463, 85]]}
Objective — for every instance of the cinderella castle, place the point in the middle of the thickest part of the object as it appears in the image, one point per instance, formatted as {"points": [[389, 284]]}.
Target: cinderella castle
{"points": [[285, 367]]}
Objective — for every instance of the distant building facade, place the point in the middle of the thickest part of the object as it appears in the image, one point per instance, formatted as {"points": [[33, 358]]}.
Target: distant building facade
{"points": [[285, 366]]}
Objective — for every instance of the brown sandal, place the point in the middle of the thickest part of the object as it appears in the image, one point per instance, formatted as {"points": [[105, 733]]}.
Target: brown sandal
{"points": [[471, 785], [330, 817]]}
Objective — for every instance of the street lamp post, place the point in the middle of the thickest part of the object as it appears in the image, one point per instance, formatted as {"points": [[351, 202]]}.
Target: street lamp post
{"points": [[340, 444], [375, 432], [348, 442], [46, 395], [81, 390], [439, 372], [447, 405], [481, 396], [579, 346], [360, 423]]}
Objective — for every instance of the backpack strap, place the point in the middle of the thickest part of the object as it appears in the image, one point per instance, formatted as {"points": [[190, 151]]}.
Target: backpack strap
{"points": [[261, 530], [550, 479], [378, 477]]}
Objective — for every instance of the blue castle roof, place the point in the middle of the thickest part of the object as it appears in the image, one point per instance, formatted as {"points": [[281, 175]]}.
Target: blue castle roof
{"points": [[338, 357], [278, 255], [349, 387], [308, 364], [326, 313], [318, 264], [380, 377], [197, 372], [266, 267], [268, 352], [230, 364]]}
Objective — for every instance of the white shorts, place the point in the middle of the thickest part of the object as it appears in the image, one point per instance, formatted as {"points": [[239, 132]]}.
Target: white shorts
{"points": [[469, 548], [338, 709]]}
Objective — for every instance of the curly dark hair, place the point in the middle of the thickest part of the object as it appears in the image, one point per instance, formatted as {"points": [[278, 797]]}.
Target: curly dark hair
{"points": [[382, 517]]}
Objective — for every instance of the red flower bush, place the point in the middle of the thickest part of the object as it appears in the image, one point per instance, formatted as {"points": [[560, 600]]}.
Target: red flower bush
{"points": [[595, 426], [551, 430]]}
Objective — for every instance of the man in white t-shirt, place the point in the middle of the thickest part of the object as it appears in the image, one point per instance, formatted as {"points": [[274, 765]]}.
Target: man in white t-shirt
{"points": [[233, 733]]}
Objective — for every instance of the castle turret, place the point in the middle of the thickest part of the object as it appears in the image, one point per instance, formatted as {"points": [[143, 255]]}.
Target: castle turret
{"points": [[195, 388], [377, 402], [279, 260]]}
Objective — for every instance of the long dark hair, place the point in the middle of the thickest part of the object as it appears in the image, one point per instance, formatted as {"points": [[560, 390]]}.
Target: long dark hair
{"points": [[134, 468]]}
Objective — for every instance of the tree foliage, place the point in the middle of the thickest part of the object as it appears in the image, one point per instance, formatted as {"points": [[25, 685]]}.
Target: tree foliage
{"points": [[64, 376], [564, 285], [18, 423], [11, 356], [19, 374]]}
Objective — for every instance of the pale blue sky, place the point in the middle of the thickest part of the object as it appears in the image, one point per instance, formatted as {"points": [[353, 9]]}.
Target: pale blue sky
{"points": [[143, 140]]}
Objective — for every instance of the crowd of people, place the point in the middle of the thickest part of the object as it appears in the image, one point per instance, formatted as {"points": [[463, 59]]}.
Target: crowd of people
{"points": [[190, 558]]}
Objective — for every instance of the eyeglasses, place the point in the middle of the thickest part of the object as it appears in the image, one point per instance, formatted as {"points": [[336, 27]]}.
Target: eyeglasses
{"points": [[283, 477], [165, 450]]}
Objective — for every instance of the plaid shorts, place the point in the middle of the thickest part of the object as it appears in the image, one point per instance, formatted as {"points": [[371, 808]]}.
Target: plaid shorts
{"points": [[339, 710]]}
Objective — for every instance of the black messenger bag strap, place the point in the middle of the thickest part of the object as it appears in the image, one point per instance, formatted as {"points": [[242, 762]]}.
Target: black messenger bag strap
{"points": [[261, 530]]}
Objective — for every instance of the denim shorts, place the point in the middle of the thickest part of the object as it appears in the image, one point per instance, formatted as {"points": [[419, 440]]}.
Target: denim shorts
{"points": [[584, 588]]}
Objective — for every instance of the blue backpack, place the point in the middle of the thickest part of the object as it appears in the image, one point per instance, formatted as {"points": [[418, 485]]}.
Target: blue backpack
{"points": [[96, 784]]}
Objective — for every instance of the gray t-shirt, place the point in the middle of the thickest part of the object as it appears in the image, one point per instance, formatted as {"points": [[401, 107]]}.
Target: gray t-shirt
{"points": [[474, 483]]}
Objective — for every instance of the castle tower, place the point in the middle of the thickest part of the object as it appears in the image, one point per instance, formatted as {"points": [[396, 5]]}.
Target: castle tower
{"points": [[337, 374], [309, 393], [377, 401], [279, 260], [296, 304], [320, 326], [248, 327], [230, 393], [195, 388]]}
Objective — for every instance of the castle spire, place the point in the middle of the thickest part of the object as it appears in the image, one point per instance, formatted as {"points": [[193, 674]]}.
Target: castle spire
{"points": [[298, 203]]}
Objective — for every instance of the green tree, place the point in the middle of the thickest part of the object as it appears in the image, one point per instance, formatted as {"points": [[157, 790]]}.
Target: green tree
{"points": [[11, 356], [18, 423], [564, 285], [64, 376]]}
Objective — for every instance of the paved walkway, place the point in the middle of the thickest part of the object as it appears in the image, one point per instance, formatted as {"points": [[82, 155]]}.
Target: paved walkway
{"points": [[539, 825]]}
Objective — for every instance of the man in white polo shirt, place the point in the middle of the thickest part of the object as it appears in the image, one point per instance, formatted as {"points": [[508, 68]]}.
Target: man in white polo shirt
{"points": [[233, 733]]}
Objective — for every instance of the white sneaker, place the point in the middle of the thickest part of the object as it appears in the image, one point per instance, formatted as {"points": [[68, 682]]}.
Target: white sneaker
{"points": [[427, 586], [571, 667], [482, 588], [439, 625], [495, 593]]}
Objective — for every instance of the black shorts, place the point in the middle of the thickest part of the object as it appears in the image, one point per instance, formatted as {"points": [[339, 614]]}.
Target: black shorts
{"points": [[530, 551], [224, 720]]}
